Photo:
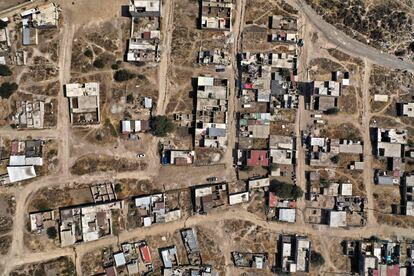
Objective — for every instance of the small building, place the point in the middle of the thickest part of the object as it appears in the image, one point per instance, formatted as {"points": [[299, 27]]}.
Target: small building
{"points": [[389, 142], [257, 158], [208, 197], [145, 8], [337, 219], [179, 157], [323, 95], [169, 256], [405, 109], [239, 198], [258, 183], [216, 14], [46, 16], [294, 253], [250, 260], [119, 259], [143, 50], [41, 220], [191, 246], [134, 126], [83, 103], [287, 215]]}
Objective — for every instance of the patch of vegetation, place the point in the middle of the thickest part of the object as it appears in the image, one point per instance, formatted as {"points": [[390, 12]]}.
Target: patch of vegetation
{"points": [[99, 63], [317, 259], [130, 99], [335, 159], [285, 190], [332, 111], [42, 205], [7, 89], [123, 75], [111, 127], [5, 70], [115, 66], [162, 125], [51, 232], [118, 188], [88, 53]]}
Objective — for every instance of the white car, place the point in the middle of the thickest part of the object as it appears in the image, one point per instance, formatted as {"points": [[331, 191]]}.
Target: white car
{"points": [[140, 155]]}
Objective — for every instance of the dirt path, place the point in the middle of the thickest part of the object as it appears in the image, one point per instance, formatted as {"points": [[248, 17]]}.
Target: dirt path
{"points": [[164, 66], [366, 117]]}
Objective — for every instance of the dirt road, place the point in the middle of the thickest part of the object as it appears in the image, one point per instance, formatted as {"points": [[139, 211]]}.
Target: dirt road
{"points": [[164, 66]]}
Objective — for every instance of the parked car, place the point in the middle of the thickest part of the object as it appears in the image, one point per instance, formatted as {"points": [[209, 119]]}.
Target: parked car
{"points": [[212, 179], [140, 155]]}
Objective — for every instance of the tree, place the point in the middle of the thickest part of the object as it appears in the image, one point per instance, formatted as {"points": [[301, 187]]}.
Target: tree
{"points": [[5, 70], [118, 188], [51, 232], [123, 75], [162, 125], [115, 66], [88, 53], [7, 89], [99, 63], [317, 259], [335, 159], [285, 190], [332, 111]]}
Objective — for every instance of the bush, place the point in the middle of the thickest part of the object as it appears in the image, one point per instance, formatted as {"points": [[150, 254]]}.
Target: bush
{"points": [[118, 188], [332, 111], [88, 53], [130, 98], [162, 125], [5, 70], [99, 63], [316, 259], [7, 89], [115, 66], [335, 159], [123, 75], [51, 232], [285, 190], [42, 205]]}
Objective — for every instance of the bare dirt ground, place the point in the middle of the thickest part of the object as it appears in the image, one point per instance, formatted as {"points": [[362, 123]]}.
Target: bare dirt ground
{"points": [[220, 231]]}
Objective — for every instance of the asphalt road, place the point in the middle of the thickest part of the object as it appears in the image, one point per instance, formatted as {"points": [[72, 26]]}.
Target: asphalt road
{"points": [[350, 45]]}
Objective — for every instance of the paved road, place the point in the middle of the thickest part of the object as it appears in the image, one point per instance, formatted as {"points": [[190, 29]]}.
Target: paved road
{"points": [[350, 45]]}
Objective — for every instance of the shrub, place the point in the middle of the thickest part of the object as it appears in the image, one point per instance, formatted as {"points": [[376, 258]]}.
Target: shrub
{"points": [[51, 232], [7, 89], [285, 190], [5, 70], [88, 53], [316, 259], [130, 98], [115, 66], [123, 75], [42, 205], [332, 111], [99, 63], [118, 188], [335, 159], [162, 125]]}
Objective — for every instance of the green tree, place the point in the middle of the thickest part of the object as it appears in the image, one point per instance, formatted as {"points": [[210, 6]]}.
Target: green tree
{"points": [[115, 66], [285, 190], [118, 188], [316, 259], [7, 89], [88, 53], [162, 125], [123, 75], [332, 111], [5, 70], [51, 232], [99, 63]]}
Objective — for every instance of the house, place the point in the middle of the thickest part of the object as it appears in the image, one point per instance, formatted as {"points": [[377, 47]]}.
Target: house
{"points": [[29, 114], [283, 22], [281, 209], [145, 8], [46, 16], [83, 103], [284, 36], [337, 219], [215, 57], [407, 195], [40, 221], [86, 223], [202, 270], [216, 14], [152, 209], [24, 157], [208, 197], [258, 183], [294, 253], [257, 158], [211, 113], [254, 125], [134, 126], [389, 142], [29, 34], [378, 257], [405, 109], [103, 192], [178, 157], [143, 50], [238, 198], [191, 246], [250, 260], [323, 95], [351, 147], [169, 256]]}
